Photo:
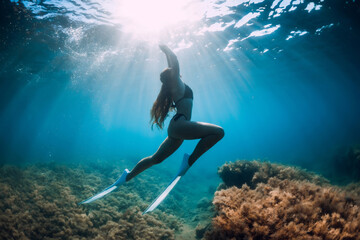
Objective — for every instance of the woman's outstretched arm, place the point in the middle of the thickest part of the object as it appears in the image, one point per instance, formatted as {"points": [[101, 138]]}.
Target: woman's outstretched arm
{"points": [[172, 60]]}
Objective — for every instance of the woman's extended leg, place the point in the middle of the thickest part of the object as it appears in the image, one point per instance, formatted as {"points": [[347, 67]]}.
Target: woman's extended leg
{"points": [[167, 147], [210, 134]]}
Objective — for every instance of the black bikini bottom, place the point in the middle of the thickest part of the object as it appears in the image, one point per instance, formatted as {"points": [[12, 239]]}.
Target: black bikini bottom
{"points": [[178, 115]]}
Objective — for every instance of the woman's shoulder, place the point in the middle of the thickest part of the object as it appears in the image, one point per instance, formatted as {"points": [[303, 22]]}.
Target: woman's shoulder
{"points": [[177, 82], [178, 88]]}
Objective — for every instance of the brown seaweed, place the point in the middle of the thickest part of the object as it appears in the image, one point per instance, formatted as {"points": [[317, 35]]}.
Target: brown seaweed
{"points": [[282, 203], [40, 202]]}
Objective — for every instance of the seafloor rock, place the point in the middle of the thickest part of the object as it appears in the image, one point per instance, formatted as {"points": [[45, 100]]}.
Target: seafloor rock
{"points": [[254, 172], [40, 202], [287, 203]]}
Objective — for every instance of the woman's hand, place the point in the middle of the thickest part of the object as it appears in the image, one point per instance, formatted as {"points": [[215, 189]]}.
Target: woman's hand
{"points": [[164, 48]]}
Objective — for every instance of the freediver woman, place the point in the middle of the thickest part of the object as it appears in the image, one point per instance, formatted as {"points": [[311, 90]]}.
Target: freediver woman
{"points": [[174, 95]]}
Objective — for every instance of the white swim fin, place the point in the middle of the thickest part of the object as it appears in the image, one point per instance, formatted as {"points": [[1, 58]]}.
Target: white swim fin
{"points": [[162, 196], [183, 169], [112, 187]]}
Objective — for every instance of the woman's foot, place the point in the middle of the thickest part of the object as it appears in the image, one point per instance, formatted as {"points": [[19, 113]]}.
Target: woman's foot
{"points": [[122, 178], [184, 165]]}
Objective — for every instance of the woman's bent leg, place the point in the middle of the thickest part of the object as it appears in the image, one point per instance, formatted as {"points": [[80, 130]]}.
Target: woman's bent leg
{"points": [[204, 145], [168, 147], [210, 134]]}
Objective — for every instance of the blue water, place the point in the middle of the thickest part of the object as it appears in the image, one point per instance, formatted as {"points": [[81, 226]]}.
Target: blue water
{"points": [[281, 77]]}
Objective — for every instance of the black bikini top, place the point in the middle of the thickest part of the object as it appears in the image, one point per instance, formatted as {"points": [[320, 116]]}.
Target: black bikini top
{"points": [[187, 94]]}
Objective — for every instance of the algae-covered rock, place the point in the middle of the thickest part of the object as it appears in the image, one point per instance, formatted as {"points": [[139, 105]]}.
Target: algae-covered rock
{"points": [[40, 202], [254, 172], [279, 202]]}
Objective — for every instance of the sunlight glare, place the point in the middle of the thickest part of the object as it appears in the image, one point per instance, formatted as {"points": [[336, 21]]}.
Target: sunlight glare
{"points": [[149, 18]]}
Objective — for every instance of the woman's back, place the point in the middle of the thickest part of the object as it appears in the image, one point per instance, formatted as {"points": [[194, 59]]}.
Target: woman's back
{"points": [[184, 103]]}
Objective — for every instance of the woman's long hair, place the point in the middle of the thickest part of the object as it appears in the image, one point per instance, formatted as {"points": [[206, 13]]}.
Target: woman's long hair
{"points": [[163, 103]]}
